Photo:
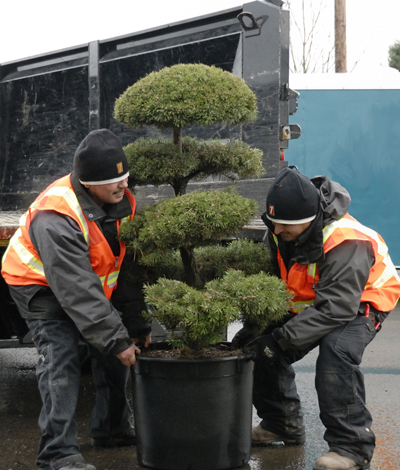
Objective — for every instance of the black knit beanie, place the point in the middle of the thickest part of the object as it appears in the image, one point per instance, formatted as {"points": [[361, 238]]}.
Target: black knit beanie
{"points": [[292, 198], [100, 159]]}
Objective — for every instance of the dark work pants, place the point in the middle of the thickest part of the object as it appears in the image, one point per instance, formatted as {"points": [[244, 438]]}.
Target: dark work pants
{"points": [[58, 374], [340, 389], [111, 415]]}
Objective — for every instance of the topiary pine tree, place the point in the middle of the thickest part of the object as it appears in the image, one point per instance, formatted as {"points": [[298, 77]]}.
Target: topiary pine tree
{"points": [[180, 96], [174, 98]]}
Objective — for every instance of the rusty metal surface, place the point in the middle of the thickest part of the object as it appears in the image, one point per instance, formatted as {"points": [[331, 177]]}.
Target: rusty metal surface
{"points": [[8, 223]]}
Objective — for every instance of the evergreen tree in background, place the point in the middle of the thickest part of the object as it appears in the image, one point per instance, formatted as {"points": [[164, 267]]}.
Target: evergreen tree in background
{"points": [[394, 56]]}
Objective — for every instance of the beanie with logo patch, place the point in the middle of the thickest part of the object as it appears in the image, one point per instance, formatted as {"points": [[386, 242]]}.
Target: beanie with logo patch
{"points": [[100, 159], [292, 198]]}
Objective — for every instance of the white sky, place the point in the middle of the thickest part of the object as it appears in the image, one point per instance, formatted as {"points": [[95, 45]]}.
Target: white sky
{"points": [[31, 27]]}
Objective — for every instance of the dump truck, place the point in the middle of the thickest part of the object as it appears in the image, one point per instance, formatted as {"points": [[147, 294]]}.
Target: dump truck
{"points": [[49, 103]]}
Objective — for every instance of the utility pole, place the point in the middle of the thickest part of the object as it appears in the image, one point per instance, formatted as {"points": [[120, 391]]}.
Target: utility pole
{"points": [[340, 37]]}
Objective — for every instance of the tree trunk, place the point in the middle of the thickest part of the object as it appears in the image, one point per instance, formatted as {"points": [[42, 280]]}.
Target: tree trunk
{"points": [[177, 137], [193, 278], [340, 37], [179, 186]]}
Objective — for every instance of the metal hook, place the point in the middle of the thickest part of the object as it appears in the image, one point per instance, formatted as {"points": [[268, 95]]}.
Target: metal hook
{"points": [[250, 16]]}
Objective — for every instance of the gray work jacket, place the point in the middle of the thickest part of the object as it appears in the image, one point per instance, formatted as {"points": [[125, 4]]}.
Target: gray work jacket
{"points": [[75, 290], [343, 272]]}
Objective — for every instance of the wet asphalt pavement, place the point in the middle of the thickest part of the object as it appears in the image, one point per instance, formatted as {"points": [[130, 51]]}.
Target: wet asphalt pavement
{"points": [[20, 405]]}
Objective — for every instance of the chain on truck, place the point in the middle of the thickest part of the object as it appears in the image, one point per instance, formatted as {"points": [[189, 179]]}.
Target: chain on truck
{"points": [[48, 103]]}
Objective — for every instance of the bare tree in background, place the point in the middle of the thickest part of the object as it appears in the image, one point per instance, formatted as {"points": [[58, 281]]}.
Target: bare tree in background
{"points": [[309, 34]]}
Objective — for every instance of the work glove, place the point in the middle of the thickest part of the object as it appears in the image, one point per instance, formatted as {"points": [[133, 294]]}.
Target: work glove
{"points": [[265, 349], [243, 336]]}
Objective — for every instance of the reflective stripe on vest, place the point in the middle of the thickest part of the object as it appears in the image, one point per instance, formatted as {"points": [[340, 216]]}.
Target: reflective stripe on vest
{"points": [[348, 222], [68, 194], [111, 279], [26, 256], [21, 263], [382, 289]]}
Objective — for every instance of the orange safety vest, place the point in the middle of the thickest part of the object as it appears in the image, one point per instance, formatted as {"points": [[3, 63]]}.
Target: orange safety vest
{"points": [[21, 264], [382, 290]]}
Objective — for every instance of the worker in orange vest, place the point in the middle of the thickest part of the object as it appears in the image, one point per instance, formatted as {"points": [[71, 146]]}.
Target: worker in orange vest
{"points": [[344, 285], [62, 267]]}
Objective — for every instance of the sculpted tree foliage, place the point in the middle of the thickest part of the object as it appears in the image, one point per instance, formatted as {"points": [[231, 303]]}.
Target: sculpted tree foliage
{"points": [[193, 292], [174, 98]]}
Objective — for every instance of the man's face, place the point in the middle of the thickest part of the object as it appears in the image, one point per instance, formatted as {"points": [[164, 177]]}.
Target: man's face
{"points": [[110, 193], [290, 232]]}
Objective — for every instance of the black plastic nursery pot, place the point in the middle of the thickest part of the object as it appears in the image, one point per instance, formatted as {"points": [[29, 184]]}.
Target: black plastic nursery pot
{"points": [[193, 414]]}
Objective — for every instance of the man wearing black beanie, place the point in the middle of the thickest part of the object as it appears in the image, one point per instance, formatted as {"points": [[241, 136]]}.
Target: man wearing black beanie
{"points": [[344, 285], [62, 267]]}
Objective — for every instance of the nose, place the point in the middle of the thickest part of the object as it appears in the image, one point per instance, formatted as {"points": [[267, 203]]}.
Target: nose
{"points": [[123, 183], [278, 228]]}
